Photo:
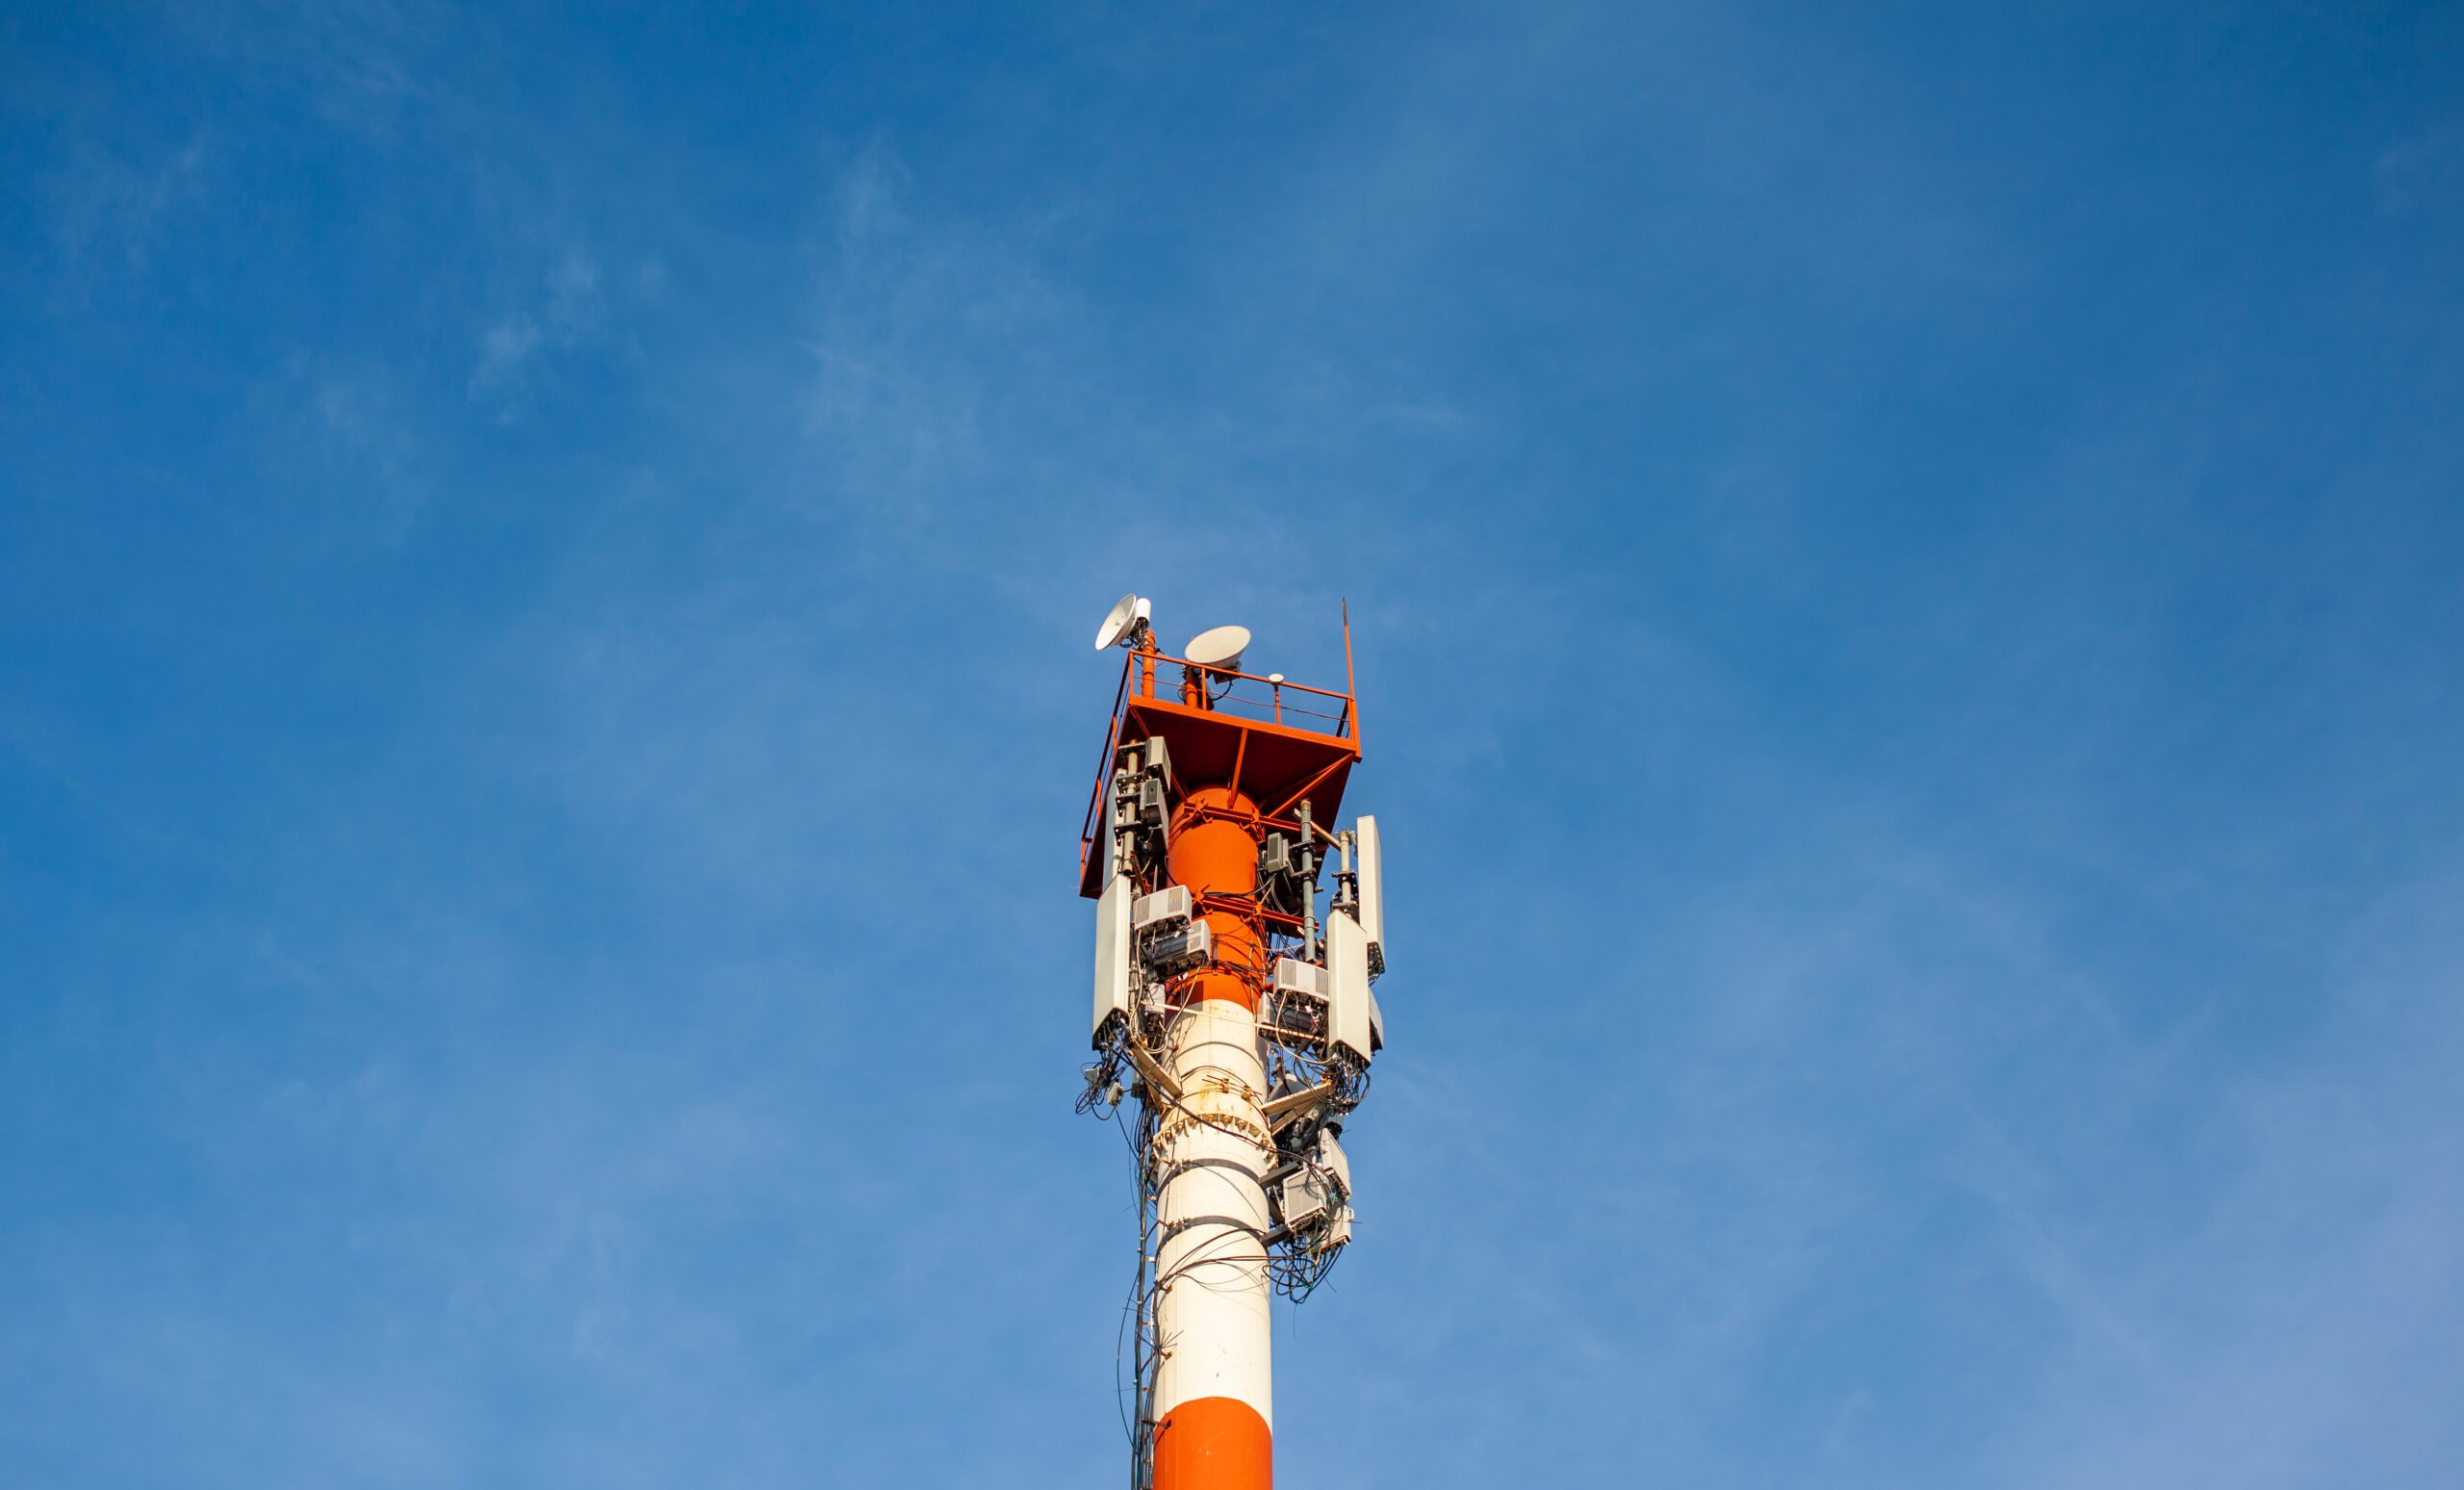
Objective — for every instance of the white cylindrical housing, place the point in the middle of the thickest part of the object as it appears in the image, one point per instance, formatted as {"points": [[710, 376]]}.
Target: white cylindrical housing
{"points": [[1212, 1153]]}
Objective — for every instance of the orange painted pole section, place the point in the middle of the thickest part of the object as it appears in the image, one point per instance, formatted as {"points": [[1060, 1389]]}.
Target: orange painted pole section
{"points": [[1215, 1443], [1213, 857]]}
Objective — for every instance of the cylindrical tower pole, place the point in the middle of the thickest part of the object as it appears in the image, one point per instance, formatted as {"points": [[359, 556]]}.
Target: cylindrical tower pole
{"points": [[1214, 1403]]}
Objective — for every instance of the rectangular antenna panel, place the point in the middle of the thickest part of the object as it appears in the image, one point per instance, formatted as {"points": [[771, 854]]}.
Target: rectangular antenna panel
{"points": [[1111, 955], [1161, 910], [1373, 890], [1347, 974]]}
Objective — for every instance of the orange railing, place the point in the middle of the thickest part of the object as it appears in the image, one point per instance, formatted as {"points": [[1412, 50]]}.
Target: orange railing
{"points": [[1247, 696]]}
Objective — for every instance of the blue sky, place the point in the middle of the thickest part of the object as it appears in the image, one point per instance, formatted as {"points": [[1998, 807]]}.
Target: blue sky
{"points": [[1906, 567]]}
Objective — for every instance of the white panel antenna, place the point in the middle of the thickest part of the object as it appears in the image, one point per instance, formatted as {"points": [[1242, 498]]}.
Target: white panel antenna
{"points": [[1373, 889], [1111, 955], [1347, 974]]}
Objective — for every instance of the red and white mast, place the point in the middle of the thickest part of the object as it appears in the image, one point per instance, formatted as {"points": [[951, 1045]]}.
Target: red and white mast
{"points": [[1240, 1024]]}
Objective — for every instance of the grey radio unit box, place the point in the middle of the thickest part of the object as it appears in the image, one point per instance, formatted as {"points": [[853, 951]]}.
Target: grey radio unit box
{"points": [[1162, 911], [1191, 946], [1294, 978]]}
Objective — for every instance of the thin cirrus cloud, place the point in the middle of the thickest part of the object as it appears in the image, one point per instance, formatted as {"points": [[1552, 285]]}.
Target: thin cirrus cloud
{"points": [[569, 319]]}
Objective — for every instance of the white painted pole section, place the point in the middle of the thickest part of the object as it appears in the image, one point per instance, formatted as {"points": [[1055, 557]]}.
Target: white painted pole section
{"points": [[1212, 1317]]}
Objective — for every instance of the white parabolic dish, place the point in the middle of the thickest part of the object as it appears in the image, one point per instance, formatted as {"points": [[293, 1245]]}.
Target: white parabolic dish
{"points": [[1117, 622], [1220, 647]]}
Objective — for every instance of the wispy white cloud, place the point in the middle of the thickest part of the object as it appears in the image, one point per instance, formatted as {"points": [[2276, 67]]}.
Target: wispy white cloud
{"points": [[506, 351], [370, 66], [372, 439], [568, 316], [2298, 1328], [934, 348]]}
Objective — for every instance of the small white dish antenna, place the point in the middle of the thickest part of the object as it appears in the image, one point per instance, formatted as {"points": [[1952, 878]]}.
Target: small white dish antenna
{"points": [[1219, 648], [1123, 623]]}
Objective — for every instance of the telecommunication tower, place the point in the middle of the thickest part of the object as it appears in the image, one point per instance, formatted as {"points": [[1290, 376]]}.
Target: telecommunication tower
{"points": [[1233, 1025]]}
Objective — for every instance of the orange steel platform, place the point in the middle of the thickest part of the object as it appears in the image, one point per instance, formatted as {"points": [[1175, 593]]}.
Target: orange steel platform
{"points": [[1276, 744]]}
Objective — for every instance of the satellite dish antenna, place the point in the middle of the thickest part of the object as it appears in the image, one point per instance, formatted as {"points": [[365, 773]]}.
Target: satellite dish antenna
{"points": [[1123, 623], [1219, 648]]}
